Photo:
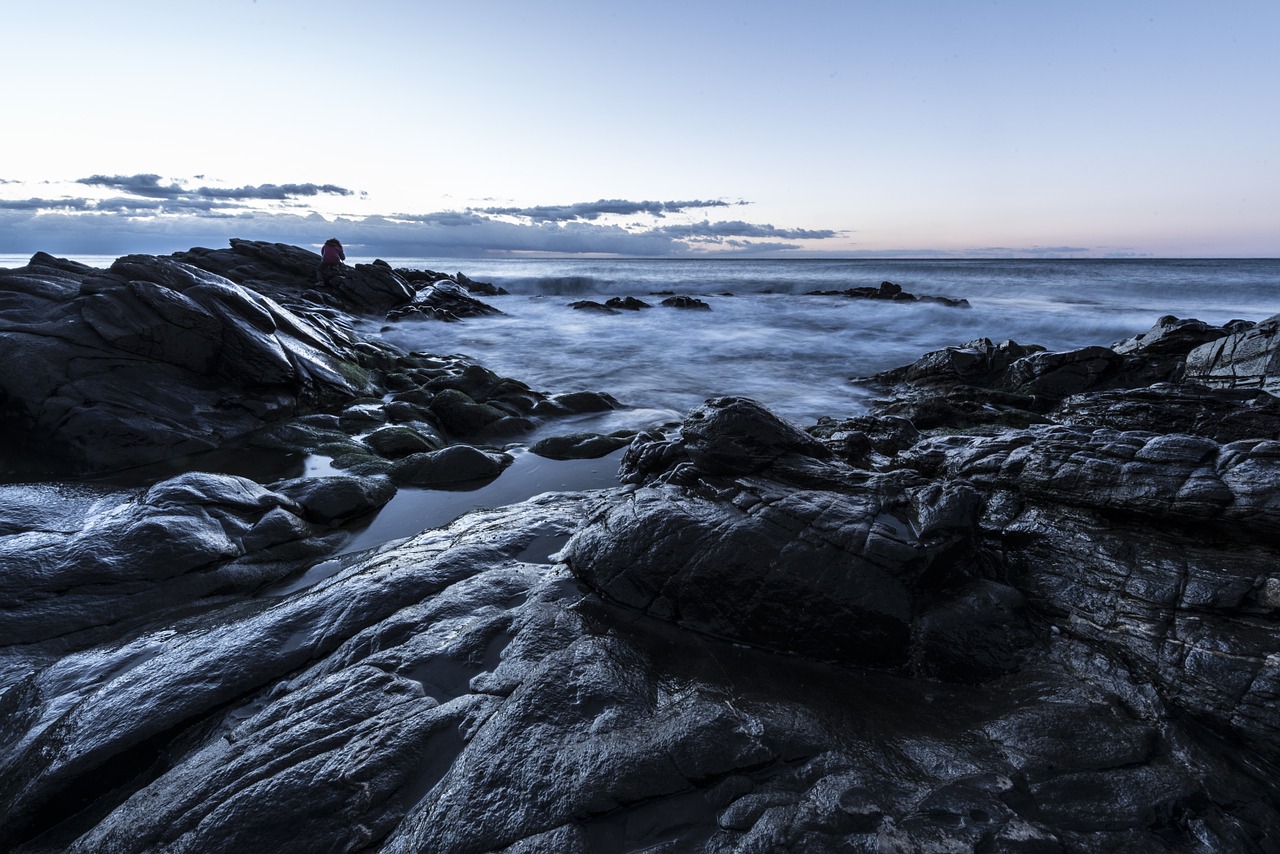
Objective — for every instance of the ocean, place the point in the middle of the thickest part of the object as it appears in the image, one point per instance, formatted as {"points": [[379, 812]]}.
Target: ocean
{"points": [[767, 338], [800, 355]]}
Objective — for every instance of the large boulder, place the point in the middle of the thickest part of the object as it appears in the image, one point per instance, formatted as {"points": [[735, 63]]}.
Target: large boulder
{"points": [[754, 532], [155, 358], [1172, 336]]}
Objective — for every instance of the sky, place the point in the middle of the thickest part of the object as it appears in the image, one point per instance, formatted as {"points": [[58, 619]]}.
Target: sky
{"points": [[850, 128]]}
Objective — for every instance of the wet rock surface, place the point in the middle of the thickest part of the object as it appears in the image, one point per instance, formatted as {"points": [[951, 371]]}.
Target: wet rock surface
{"points": [[1029, 602], [160, 357]]}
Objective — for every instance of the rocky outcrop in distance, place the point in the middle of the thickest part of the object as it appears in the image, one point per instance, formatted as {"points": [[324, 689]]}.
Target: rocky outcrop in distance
{"points": [[1028, 602], [892, 291], [888, 291]]}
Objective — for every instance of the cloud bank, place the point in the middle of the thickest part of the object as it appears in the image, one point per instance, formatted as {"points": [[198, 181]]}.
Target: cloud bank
{"points": [[149, 213], [149, 186], [594, 210]]}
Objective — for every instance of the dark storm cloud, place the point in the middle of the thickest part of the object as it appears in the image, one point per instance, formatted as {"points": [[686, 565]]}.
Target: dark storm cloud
{"points": [[603, 207]]}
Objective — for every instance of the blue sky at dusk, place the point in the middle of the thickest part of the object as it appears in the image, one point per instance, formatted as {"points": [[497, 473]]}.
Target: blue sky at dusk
{"points": [[416, 129]]}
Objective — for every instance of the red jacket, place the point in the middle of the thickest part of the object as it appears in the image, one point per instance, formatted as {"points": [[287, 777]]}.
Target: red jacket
{"points": [[332, 253]]}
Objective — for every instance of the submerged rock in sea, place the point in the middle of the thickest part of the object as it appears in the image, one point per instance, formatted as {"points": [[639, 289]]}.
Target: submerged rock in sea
{"points": [[893, 292], [686, 302]]}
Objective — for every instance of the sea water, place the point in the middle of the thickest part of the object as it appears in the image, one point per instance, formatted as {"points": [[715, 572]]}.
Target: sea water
{"points": [[767, 337]]}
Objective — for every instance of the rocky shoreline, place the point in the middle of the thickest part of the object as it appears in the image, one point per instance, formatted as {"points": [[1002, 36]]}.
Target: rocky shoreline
{"points": [[1028, 603]]}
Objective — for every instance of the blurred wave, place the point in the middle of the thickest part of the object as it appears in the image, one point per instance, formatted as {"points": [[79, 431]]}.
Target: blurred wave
{"points": [[766, 337]]}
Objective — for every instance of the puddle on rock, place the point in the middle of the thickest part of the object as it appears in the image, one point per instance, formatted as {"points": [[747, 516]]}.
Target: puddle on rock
{"points": [[546, 541], [314, 575], [414, 510], [445, 678]]}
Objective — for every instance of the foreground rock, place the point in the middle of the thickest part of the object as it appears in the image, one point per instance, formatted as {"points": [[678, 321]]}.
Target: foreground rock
{"points": [[76, 564], [462, 692]]}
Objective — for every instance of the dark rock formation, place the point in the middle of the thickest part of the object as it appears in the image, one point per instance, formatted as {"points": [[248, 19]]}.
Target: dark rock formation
{"points": [[893, 292], [814, 558], [686, 302], [462, 692], [1157, 546], [154, 358], [284, 271], [1173, 337], [418, 278], [592, 306], [617, 305], [627, 303], [157, 358], [1221, 415], [581, 446], [1248, 358], [442, 299], [865, 441], [77, 563], [1013, 385], [1028, 603]]}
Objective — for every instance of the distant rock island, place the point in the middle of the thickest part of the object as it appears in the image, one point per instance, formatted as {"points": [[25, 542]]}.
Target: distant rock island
{"points": [[1028, 602]]}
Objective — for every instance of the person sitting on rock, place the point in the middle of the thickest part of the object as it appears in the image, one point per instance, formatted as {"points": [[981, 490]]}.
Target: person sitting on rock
{"points": [[331, 258]]}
